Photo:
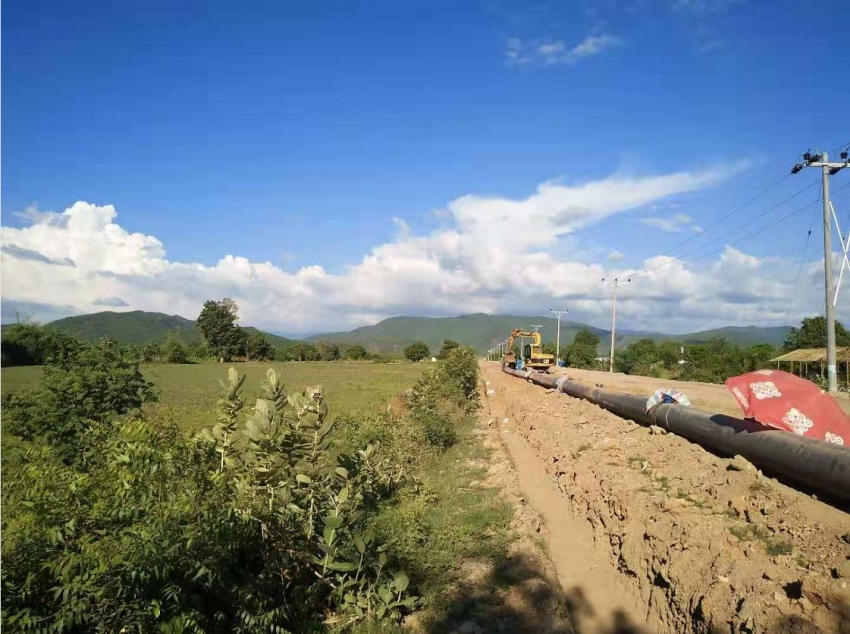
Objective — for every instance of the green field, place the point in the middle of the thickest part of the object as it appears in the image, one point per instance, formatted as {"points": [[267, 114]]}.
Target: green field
{"points": [[191, 391]]}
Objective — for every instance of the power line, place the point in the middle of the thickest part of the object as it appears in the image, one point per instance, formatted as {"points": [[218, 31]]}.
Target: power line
{"points": [[761, 215], [736, 229], [763, 229], [802, 259], [737, 209]]}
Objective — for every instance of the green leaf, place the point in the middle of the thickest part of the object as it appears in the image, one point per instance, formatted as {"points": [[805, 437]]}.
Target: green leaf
{"points": [[328, 535], [343, 495], [400, 581], [333, 521], [342, 566], [359, 544], [303, 478]]}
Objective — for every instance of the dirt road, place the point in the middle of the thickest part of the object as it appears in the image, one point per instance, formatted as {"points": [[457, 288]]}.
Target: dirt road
{"points": [[649, 529], [707, 396]]}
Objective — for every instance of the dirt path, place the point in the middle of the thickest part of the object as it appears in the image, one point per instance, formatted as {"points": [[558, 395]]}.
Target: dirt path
{"points": [[714, 398], [649, 529], [602, 598]]}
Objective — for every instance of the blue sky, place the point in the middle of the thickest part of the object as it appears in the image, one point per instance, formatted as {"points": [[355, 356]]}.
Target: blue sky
{"points": [[294, 132]]}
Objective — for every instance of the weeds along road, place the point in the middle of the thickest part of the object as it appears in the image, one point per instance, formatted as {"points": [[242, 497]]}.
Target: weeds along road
{"points": [[650, 529]]}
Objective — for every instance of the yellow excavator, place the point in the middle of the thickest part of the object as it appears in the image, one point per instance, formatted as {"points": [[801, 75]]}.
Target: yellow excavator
{"points": [[533, 357]]}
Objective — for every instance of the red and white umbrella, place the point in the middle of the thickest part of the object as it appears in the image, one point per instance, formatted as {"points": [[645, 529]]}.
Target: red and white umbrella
{"points": [[785, 401]]}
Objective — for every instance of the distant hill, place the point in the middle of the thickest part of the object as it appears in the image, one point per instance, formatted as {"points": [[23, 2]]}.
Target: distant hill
{"points": [[742, 335], [484, 331], [479, 331], [134, 327], [392, 335], [140, 327]]}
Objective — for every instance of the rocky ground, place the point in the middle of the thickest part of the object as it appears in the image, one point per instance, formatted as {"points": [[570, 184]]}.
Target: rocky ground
{"points": [[646, 531]]}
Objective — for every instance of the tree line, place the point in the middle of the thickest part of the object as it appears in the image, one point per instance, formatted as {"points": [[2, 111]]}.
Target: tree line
{"points": [[711, 361]]}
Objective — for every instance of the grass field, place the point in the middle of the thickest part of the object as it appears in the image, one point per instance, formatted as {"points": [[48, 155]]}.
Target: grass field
{"points": [[431, 525], [191, 391]]}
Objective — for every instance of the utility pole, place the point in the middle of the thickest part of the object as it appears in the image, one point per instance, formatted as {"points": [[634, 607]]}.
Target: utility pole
{"points": [[615, 283], [827, 170], [558, 336]]}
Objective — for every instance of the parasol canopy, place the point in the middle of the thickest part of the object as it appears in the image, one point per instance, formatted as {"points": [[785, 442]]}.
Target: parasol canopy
{"points": [[785, 401]]}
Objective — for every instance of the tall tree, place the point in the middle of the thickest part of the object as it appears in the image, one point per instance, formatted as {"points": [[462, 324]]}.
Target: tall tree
{"points": [[417, 351], [302, 352], [328, 351], [582, 352], [218, 325], [640, 357], [257, 347], [812, 334], [356, 353]]}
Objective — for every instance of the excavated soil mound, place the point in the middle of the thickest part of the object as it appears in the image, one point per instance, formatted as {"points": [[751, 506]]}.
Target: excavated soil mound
{"points": [[706, 543]]}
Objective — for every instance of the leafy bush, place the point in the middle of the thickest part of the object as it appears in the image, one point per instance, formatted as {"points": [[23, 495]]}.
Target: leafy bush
{"points": [[175, 352], [417, 351], [89, 386], [444, 395], [31, 344], [447, 347], [250, 527], [151, 353]]}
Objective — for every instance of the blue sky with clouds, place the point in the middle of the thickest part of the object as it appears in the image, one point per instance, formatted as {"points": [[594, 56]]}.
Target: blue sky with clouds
{"points": [[359, 160]]}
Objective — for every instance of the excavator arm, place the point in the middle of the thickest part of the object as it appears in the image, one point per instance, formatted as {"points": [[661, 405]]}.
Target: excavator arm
{"points": [[533, 356]]}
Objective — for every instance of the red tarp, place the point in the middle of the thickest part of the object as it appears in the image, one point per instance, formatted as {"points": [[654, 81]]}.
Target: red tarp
{"points": [[785, 401]]}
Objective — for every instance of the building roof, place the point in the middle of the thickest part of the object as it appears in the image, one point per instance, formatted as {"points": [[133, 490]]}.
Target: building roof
{"points": [[809, 355]]}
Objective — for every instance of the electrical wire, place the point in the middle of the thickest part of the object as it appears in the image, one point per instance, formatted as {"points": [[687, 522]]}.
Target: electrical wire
{"points": [[737, 209], [763, 229], [736, 229], [802, 259], [761, 215]]}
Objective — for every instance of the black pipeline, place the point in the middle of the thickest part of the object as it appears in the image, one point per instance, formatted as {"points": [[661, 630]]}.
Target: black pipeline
{"points": [[821, 466]]}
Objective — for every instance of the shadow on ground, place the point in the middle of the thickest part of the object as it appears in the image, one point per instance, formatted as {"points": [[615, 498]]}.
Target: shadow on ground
{"points": [[520, 595]]}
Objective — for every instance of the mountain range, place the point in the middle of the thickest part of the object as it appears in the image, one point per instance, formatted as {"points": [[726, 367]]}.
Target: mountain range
{"points": [[485, 331], [392, 335], [138, 327]]}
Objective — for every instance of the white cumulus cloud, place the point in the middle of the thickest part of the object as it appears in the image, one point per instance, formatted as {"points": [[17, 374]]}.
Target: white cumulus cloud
{"points": [[494, 254]]}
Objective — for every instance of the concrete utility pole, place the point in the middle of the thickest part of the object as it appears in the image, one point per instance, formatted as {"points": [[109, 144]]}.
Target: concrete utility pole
{"points": [[558, 336], [615, 283], [827, 170]]}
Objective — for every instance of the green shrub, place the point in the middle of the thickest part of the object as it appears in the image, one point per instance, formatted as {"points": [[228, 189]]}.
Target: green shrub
{"points": [[175, 352], [31, 344], [417, 352], [444, 395], [248, 527], [90, 386]]}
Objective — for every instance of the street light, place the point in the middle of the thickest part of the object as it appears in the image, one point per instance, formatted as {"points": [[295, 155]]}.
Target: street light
{"points": [[558, 337]]}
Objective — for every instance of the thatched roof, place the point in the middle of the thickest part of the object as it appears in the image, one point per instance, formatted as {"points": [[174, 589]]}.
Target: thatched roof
{"points": [[811, 355]]}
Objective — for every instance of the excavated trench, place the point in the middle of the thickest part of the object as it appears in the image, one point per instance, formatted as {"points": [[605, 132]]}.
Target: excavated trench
{"points": [[650, 527]]}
